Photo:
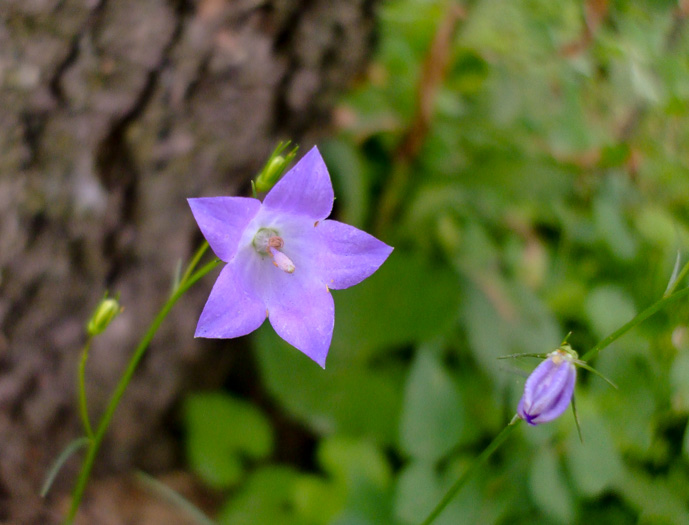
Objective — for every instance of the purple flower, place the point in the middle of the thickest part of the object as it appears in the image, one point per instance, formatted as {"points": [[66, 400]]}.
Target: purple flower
{"points": [[548, 390], [283, 258]]}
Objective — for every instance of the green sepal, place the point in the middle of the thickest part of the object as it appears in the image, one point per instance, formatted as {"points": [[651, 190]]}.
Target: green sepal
{"points": [[586, 366], [511, 356], [576, 419]]}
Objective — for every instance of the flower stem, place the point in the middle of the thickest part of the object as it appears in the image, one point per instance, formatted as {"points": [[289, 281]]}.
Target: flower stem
{"points": [[478, 462], [82, 389], [194, 261], [187, 281], [681, 275], [640, 318]]}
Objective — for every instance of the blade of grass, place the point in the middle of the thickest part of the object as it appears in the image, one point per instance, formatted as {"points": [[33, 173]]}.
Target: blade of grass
{"points": [[174, 497]]}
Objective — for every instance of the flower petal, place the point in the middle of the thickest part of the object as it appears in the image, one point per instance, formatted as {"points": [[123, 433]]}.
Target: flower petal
{"points": [[548, 390], [299, 305], [222, 221], [230, 310], [305, 319], [562, 401], [305, 189], [348, 255]]}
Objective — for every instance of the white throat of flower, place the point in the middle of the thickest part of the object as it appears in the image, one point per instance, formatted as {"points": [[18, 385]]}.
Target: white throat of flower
{"points": [[268, 242]]}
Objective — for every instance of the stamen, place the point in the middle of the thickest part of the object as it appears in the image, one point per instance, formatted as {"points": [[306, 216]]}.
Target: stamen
{"points": [[283, 262], [268, 242], [275, 242]]}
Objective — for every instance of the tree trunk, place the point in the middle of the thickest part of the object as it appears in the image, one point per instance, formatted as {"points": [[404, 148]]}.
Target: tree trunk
{"points": [[112, 113]]}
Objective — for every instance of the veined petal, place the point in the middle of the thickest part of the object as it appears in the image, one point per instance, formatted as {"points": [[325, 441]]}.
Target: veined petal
{"points": [[305, 319], [545, 389], [299, 305], [305, 189], [231, 311], [222, 221], [560, 403], [348, 255], [548, 390]]}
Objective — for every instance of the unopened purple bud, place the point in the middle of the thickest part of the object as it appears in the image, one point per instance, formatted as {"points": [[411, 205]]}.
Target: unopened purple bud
{"points": [[548, 390]]}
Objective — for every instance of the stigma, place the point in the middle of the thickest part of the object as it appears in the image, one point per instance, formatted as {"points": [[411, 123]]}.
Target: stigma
{"points": [[268, 242]]}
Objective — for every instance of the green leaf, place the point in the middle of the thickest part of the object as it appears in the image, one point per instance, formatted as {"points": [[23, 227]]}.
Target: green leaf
{"points": [[433, 414], [351, 461], [657, 500], [595, 464], [685, 443], [608, 307], [362, 472], [371, 318], [503, 320], [348, 396], [270, 495], [680, 382], [613, 230], [221, 432], [57, 465], [351, 180], [173, 497], [548, 487], [416, 491]]}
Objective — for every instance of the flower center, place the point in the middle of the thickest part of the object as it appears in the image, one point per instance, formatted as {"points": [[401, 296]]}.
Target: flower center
{"points": [[268, 242]]}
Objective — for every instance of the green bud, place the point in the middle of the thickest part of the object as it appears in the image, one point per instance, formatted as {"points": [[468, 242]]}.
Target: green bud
{"points": [[105, 312], [271, 173], [274, 167]]}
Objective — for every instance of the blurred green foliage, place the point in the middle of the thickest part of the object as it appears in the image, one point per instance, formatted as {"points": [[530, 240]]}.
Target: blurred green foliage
{"points": [[548, 192]]}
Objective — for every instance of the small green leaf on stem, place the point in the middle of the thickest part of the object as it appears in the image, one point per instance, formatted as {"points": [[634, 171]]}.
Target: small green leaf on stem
{"points": [[70, 449]]}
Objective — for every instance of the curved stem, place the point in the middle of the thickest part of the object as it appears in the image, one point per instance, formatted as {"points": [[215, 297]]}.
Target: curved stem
{"points": [[105, 420], [678, 279], [640, 318], [478, 462], [194, 261], [83, 410]]}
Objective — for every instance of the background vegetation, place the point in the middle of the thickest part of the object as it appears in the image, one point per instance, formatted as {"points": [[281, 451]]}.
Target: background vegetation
{"points": [[528, 161]]}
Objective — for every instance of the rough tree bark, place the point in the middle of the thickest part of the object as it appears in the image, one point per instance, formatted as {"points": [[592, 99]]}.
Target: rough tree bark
{"points": [[112, 113]]}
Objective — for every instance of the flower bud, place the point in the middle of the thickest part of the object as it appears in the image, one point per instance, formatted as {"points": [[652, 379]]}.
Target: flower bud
{"points": [[105, 312], [274, 167], [548, 390]]}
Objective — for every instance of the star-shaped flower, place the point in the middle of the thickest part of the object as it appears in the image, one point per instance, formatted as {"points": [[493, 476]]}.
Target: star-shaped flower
{"points": [[283, 258]]}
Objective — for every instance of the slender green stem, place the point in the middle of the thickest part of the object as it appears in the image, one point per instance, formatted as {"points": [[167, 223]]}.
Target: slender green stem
{"points": [[106, 418], [640, 318], [83, 410], [478, 462], [682, 274], [194, 261]]}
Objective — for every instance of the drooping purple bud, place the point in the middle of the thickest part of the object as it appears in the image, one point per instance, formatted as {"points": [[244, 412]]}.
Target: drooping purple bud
{"points": [[548, 390]]}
